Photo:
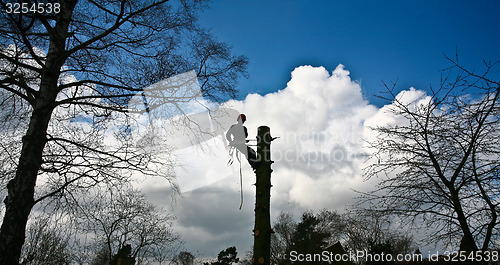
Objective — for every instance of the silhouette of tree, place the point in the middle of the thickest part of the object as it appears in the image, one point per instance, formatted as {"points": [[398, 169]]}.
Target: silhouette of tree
{"points": [[47, 243], [226, 257], [125, 218], [383, 248], [311, 235], [69, 73], [125, 252], [101, 256], [441, 159], [184, 258], [307, 237], [281, 239], [362, 230], [365, 228]]}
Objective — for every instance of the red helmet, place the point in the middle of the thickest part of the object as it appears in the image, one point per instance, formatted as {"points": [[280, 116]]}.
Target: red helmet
{"points": [[242, 117]]}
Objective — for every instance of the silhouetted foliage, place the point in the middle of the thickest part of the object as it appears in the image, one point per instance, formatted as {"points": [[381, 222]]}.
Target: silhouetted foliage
{"points": [[101, 256], [383, 248], [184, 258], [362, 230], [226, 257], [125, 252], [307, 237]]}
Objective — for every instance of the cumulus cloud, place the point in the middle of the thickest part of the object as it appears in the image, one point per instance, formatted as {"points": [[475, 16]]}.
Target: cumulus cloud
{"points": [[320, 118], [411, 98]]}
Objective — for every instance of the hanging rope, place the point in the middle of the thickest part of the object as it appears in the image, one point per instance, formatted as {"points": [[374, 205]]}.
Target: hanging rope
{"points": [[232, 150], [238, 155]]}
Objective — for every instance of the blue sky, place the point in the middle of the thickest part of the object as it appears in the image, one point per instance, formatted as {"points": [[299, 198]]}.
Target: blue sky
{"points": [[403, 41]]}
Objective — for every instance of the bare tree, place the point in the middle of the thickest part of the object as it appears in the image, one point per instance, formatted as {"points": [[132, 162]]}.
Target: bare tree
{"points": [[281, 239], [441, 159], [69, 71], [122, 218], [47, 243], [365, 228]]}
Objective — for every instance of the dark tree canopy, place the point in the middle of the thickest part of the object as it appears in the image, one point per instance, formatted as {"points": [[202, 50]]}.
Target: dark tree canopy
{"points": [[66, 78], [184, 258], [226, 257], [361, 230], [308, 237]]}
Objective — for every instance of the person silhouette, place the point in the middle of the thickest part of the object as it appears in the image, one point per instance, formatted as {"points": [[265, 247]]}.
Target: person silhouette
{"points": [[236, 136]]}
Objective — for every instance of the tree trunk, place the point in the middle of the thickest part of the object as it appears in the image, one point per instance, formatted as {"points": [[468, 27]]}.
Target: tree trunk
{"points": [[467, 243], [262, 229], [21, 189]]}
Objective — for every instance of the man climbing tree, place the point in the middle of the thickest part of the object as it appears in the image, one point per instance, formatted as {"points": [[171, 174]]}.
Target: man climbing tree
{"points": [[236, 135]]}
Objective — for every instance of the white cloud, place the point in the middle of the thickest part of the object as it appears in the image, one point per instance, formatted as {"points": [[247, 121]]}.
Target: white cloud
{"points": [[320, 119], [386, 116], [411, 98]]}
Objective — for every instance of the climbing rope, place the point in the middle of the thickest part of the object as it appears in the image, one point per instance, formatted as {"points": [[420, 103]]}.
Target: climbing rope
{"points": [[232, 150], [238, 155]]}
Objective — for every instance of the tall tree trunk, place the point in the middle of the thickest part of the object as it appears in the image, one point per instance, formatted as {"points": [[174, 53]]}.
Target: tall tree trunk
{"points": [[21, 189], [467, 243], [262, 229]]}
